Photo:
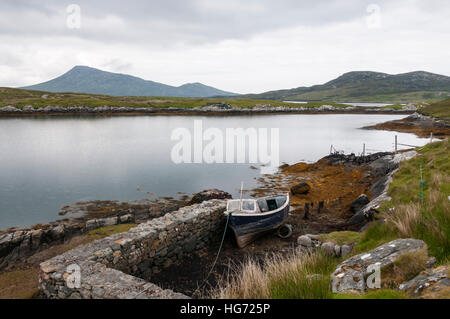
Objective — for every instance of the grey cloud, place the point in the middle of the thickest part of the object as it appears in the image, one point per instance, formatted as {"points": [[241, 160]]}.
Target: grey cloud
{"points": [[168, 22]]}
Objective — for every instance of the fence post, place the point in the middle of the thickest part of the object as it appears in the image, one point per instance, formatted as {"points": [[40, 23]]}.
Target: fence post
{"points": [[431, 137], [395, 144], [364, 149]]}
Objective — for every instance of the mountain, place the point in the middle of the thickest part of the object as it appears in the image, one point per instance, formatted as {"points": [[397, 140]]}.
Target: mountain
{"points": [[83, 79], [366, 86]]}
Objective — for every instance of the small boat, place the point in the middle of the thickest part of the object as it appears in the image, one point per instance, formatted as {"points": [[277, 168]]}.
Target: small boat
{"points": [[249, 218]]}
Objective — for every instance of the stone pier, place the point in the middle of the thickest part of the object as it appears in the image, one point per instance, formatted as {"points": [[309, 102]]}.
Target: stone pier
{"points": [[113, 267]]}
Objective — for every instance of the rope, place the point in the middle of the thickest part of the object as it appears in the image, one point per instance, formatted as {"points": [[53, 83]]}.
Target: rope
{"points": [[217, 256]]}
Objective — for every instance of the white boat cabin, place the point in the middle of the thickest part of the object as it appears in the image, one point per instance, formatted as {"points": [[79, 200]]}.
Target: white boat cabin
{"points": [[257, 206]]}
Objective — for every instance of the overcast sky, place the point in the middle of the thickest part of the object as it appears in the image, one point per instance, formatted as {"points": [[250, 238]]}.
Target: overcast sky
{"points": [[243, 46]]}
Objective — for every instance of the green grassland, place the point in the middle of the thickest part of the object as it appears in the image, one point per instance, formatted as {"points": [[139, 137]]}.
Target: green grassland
{"points": [[38, 99], [440, 109], [349, 97]]}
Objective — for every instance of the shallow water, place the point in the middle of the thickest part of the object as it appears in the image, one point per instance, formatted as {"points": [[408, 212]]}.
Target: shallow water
{"points": [[46, 163]]}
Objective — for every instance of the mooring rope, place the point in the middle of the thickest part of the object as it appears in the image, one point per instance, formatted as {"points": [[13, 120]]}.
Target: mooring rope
{"points": [[217, 256]]}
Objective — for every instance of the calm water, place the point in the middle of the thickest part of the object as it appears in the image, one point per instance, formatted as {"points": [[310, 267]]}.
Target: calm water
{"points": [[46, 163]]}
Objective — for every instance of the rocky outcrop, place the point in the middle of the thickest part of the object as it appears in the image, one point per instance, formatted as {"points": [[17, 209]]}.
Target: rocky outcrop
{"points": [[208, 195], [359, 203], [383, 168], [350, 276], [300, 188], [113, 267], [431, 283], [312, 242], [18, 244]]}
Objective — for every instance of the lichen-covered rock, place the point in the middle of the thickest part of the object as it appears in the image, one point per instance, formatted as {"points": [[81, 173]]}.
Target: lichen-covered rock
{"points": [[431, 283], [347, 276], [208, 195]]}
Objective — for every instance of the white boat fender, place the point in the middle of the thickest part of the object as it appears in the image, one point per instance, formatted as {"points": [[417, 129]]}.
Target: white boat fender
{"points": [[285, 231]]}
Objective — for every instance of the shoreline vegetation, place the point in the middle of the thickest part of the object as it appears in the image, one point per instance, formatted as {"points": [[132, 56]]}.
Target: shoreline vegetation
{"points": [[19, 102]]}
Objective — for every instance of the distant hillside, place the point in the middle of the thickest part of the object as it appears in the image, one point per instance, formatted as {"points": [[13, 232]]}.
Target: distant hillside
{"points": [[368, 86], [83, 79]]}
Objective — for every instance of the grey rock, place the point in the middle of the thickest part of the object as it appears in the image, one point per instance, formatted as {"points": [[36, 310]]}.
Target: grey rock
{"points": [[300, 188], [356, 266], [208, 195], [304, 241], [337, 250], [10, 109], [359, 203], [329, 248], [431, 280], [431, 262], [345, 250]]}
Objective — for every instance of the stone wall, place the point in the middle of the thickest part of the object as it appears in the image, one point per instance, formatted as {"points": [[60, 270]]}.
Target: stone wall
{"points": [[111, 267], [22, 243]]}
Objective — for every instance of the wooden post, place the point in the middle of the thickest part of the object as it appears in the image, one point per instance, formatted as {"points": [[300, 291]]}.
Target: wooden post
{"points": [[364, 149], [431, 137], [306, 216], [320, 207], [395, 144]]}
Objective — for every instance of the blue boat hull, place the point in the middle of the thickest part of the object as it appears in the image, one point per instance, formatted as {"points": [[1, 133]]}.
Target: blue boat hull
{"points": [[247, 227]]}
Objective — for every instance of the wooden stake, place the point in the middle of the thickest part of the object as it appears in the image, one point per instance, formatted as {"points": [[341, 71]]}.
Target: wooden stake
{"points": [[395, 144]]}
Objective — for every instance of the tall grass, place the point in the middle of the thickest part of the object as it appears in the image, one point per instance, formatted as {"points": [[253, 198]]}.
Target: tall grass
{"points": [[297, 276], [406, 215]]}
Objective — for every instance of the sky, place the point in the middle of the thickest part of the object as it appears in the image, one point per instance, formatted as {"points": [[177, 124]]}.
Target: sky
{"points": [[242, 46]]}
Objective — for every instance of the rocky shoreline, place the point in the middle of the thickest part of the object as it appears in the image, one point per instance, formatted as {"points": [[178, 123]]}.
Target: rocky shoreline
{"points": [[418, 124], [28, 110], [17, 244]]}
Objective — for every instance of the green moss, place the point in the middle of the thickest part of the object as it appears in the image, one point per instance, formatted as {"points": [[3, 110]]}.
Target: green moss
{"points": [[439, 109], [341, 237], [108, 231], [375, 294]]}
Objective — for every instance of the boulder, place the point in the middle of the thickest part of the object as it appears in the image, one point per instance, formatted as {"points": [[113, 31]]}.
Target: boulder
{"points": [[10, 109], [28, 108], [304, 241], [359, 203], [430, 283], [347, 276], [345, 250], [208, 195], [301, 188], [329, 248]]}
